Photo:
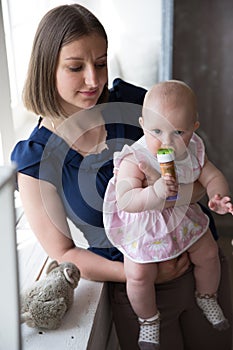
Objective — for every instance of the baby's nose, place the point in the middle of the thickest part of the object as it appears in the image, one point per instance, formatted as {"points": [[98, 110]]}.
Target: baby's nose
{"points": [[166, 139]]}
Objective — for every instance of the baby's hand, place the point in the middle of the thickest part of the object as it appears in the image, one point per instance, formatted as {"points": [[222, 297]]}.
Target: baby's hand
{"points": [[221, 205], [151, 175], [166, 187]]}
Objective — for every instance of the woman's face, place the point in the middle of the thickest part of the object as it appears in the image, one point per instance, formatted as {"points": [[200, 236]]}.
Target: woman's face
{"points": [[82, 73]]}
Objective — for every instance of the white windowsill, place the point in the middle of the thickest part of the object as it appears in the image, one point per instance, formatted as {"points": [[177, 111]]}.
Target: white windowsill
{"points": [[87, 324]]}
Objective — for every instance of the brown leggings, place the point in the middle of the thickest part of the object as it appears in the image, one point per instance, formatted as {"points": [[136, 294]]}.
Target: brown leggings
{"points": [[183, 326]]}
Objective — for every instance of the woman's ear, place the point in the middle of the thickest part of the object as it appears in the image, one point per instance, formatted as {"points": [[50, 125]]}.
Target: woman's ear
{"points": [[141, 121]]}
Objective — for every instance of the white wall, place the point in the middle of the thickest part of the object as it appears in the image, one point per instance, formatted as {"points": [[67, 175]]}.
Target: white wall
{"points": [[6, 121], [133, 28]]}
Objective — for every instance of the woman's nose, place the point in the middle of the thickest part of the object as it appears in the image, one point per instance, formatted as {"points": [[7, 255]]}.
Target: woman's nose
{"points": [[91, 76]]}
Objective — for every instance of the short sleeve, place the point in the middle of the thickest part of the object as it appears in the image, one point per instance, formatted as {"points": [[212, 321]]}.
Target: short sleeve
{"points": [[27, 156], [198, 148], [30, 159]]}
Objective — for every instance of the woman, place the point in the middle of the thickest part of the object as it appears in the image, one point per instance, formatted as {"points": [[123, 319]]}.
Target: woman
{"points": [[66, 163]]}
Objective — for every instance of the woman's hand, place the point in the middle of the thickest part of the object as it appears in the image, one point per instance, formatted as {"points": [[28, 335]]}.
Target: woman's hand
{"points": [[168, 270]]}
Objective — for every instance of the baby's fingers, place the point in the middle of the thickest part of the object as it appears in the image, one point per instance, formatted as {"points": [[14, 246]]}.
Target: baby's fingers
{"points": [[227, 204], [212, 204], [169, 178], [229, 207], [226, 200], [221, 205], [171, 184]]}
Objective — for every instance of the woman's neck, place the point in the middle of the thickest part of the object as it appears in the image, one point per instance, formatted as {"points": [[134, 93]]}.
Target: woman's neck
{"points": [[84, 136]]}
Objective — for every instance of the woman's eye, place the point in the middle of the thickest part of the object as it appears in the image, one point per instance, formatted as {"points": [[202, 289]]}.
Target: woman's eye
{"points": [[101, 65], [75, 69]]}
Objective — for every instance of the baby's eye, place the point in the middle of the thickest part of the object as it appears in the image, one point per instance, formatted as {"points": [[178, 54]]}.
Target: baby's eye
{"points": [[157, 131], [178, 132], [75, 69]]}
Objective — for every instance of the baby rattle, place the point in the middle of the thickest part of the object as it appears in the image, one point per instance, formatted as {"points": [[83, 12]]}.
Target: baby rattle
{"points": [[44, 304]]}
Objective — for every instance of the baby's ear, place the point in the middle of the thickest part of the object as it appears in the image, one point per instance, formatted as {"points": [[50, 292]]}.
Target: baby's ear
{"points": [[141, 121], [196, 125]]}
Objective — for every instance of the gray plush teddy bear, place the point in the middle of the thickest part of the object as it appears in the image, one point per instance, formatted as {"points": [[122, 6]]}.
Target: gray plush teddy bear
{"points": [[44, 304]]}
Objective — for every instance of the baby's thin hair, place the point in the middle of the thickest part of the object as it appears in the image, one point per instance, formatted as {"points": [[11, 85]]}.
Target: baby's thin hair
{"points": [[171, 91]]}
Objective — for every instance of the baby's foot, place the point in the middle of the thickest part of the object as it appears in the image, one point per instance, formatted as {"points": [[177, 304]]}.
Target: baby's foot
{"points": [[212, 310], [149, 333]]}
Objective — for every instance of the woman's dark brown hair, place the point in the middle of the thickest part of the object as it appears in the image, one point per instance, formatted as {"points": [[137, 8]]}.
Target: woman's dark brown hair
{"points": [[57, 28]]}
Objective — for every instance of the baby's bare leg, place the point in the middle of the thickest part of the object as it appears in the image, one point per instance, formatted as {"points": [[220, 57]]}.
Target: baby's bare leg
{"points": [[141, 287], [140, 283], [204, 256]]}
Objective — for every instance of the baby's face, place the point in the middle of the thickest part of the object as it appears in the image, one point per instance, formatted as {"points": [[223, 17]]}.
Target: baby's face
{"points": [[170, 126]]}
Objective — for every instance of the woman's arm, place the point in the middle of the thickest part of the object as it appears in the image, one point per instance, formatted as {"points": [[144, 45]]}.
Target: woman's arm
{"points": [[46, 216]]}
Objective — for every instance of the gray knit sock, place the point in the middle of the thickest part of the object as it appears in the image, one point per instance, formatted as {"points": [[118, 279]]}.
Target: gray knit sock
{"points": [[212, 311], [149, 333]]}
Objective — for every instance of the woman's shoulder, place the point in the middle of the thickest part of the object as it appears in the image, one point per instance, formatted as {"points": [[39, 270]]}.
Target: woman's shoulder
{"points": [[40, 156], [28, 151], [24, 151], [123, 91]]}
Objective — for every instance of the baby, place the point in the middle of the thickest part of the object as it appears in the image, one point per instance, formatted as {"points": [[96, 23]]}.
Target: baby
{"points": [[147, 227]]}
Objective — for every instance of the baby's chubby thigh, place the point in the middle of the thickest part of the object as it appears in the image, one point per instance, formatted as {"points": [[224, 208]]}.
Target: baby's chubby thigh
{"points": [[140, 273], [204, 254], [204, 250]]}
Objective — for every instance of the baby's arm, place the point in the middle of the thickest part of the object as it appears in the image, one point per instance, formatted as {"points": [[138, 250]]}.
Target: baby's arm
{"points": [[217, 189], [131, 194], [191, 191]]}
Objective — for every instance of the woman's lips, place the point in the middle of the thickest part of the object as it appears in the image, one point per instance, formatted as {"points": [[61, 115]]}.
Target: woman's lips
{"points": [[89, 93]]}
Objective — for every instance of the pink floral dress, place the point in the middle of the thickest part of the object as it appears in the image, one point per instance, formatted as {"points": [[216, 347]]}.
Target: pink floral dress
{"points": [[153, 235]]}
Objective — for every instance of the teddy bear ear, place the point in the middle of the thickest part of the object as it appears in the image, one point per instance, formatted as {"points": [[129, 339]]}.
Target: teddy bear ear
{"points": [[68, 275], [53, 264]]}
